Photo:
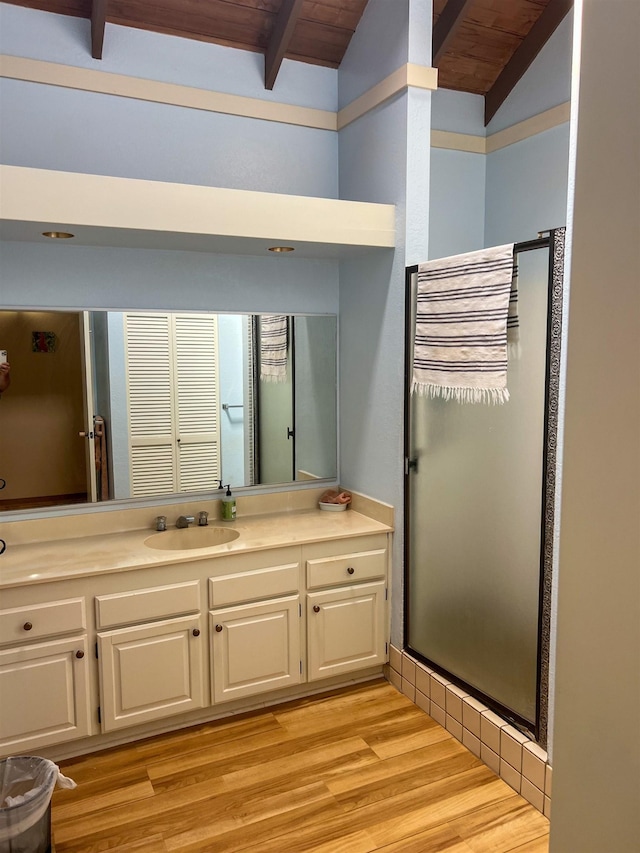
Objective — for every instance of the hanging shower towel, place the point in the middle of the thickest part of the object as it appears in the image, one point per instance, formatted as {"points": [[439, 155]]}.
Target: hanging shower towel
{"points": [[273, 347], [460, 348], [513, 321]]}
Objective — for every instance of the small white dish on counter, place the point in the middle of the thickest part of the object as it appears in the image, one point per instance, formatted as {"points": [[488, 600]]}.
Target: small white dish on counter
{"points": [[332, 507]]}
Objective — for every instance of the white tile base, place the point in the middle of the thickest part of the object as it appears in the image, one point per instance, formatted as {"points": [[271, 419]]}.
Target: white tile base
{"points": [[482, 731]]}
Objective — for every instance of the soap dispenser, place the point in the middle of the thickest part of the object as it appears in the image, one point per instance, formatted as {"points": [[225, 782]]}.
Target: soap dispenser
{"points": [[228, 505]]}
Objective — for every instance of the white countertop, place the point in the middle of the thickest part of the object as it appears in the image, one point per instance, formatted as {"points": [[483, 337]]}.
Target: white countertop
{"points": [[60, 559]]}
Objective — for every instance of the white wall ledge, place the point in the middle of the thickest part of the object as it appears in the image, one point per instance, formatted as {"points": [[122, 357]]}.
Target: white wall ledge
{"points": [[103, 210]]}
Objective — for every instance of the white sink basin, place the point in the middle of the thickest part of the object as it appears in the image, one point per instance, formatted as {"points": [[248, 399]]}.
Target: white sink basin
{"points": [[191, 537]]}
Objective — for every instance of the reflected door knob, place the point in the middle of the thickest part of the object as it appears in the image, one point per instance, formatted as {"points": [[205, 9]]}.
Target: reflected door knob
{"points": [[28, 626], [196, 632], [80, 654], [350, 570], [316, 608], [218, 628]]}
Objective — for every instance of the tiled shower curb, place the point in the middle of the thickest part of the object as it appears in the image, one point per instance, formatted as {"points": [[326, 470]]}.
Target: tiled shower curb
{"points": [[504, 749]]}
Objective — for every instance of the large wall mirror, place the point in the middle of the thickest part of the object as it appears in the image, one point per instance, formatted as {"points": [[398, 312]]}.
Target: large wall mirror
{"points": [[143, 404]]}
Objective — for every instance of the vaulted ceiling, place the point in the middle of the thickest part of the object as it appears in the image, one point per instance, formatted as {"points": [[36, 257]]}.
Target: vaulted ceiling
{"points": [[479, 46]]}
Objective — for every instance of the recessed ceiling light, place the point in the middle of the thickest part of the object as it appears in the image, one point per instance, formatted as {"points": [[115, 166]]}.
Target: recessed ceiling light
{"points": [[57, 235], [281, 249]]}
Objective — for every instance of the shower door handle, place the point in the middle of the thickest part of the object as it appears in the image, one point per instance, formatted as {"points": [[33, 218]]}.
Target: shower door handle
{"points": [[410, 464]]}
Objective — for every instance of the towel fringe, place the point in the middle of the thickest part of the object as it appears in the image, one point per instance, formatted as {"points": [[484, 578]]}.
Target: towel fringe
{"points": [[270, 377], [489, 396]]}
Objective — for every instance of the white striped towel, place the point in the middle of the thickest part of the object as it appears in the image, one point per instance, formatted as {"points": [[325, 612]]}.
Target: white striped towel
{"points": [[273, 347], [513, 320], [460, 350]]}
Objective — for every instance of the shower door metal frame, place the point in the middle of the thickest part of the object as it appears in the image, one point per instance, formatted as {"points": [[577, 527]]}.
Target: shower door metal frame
{"points": [[555, 243]]}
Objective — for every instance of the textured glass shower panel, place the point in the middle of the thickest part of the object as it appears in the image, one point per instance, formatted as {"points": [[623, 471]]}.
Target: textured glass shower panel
{"points": [[475, 520]]}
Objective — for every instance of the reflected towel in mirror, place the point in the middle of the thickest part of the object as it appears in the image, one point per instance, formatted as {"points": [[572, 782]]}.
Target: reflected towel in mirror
{"points": [[274, 344]]}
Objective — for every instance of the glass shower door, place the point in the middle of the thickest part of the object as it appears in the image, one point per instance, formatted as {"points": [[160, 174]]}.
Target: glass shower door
{"points": [[474, 532]]}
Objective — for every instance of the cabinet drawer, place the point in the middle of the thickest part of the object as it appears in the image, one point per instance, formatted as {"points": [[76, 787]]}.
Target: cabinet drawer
{"points": [[346, 568], [146, 605], [36, 621], [250, 586]]}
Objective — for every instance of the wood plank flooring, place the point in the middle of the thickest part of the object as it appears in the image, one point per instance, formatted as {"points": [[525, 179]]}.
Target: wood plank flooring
{"points": [[357, 770]]}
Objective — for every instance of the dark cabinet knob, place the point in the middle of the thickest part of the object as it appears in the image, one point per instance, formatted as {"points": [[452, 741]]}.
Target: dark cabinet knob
{"points": [[350, 570], [218, 628], [196, 632], [80, 654], [27, 626], [316, 608]]}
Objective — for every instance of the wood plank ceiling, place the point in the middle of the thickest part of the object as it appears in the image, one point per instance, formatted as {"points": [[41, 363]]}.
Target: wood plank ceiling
{"points": [[479, 46]]}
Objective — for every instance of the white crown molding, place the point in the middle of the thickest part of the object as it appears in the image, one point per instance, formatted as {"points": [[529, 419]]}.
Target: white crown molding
{"points": [[530, 127], [410, 75], [546, 120], [106, 83], [138, 88], [458, 142]]}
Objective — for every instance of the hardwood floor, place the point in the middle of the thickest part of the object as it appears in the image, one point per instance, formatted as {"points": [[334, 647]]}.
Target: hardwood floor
{"points": [[358, 770]]}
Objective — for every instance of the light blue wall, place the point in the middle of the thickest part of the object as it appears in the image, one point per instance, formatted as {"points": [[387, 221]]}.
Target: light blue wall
{"points": [[457, 112], [510, 194], [383, 158], [458, 178], [546, 84], [50, 127], [365, 62], [527, 187], [458, 191], [527, 183], [64, 276], [64, 39]]}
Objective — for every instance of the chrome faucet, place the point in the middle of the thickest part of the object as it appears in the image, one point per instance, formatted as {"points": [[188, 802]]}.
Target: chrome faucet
{"points": [[184, 521]]}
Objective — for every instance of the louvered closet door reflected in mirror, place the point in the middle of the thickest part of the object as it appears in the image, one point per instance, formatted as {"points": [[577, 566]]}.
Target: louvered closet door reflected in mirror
{"points": [[171, 363]]}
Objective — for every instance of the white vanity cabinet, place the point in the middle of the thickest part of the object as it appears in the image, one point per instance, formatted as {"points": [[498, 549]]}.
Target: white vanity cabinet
{"points": [[91, 658], [346, 606], [255, 625], [151, 657], [44, 683]]}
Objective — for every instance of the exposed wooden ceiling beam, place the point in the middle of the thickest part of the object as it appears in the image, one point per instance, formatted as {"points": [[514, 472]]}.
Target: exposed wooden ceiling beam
{"points": [[530, 47], [445, 27], [280, 40], [98, 21]]}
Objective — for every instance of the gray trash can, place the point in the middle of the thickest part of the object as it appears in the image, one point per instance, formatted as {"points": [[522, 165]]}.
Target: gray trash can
{"points": [[26, 786]]}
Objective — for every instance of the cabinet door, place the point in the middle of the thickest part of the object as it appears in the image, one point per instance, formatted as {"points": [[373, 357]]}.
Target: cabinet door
{"points": [[44, 695], [150, 672], [346, 629], [255, 648]]}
